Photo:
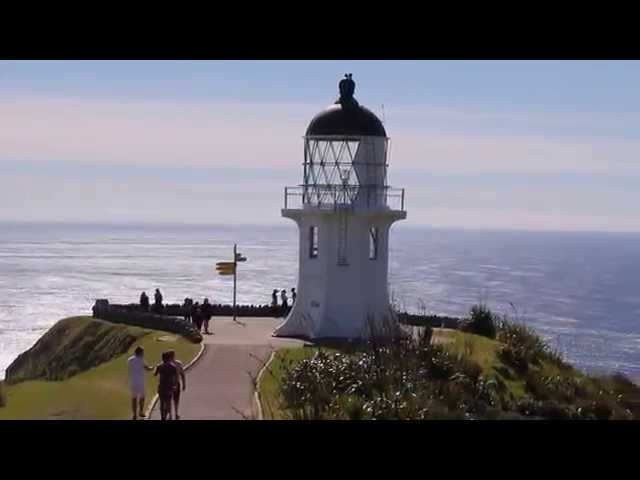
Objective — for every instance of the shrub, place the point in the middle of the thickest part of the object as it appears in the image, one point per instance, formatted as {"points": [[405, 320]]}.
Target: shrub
{"points": [[553, 410], [434, 321], [353, 407], [556, 388], [481, 322], [405, 378], [400, 376], [601, 409], [620, 384], [520, 335], [622, 381], [545, 409], [438, 362], [131, 315], [309, 388], [523, 347], [515, 357]]}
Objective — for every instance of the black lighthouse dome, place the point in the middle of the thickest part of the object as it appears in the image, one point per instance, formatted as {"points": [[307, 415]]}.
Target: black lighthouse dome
{"points": [[346, 116]]}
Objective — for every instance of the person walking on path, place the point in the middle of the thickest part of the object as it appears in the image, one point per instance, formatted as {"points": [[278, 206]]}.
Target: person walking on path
{"points": [[285, 302], [183, 378], [144, 302], [293, 296], [167, 385], [207, 313], [136, 367]]}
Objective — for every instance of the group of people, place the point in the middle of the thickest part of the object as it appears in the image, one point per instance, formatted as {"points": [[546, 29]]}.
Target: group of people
{"points": [[171, 382], [283, 298], [198, 314], [170, 371], [157, 304]]}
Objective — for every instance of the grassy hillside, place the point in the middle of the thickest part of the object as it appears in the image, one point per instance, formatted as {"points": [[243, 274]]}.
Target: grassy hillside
{"points": [[71, 346], [444, 374], [98, 351]]}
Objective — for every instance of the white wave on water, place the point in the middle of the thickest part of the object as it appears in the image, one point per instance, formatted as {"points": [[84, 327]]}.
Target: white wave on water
{"points": [[587, 309]]}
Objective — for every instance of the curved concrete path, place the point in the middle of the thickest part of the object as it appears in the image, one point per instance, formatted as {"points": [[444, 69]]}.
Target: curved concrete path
{"points": [[220, 385]]}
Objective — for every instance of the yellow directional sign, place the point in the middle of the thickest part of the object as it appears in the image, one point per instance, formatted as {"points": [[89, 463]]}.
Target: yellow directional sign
{"points": [[226, 268], [229, 268]]}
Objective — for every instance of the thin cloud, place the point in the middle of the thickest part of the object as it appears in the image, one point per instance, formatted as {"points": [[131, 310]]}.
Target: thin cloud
{"points": [[204, 156], [511, 153], [249, 135]]}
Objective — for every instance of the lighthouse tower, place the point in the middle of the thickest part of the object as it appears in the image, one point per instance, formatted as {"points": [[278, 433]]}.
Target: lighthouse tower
{"points": [[344, 209]]}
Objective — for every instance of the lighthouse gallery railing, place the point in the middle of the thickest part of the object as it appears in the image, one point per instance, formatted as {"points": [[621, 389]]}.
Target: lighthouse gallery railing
{"points": [[335, 196]]}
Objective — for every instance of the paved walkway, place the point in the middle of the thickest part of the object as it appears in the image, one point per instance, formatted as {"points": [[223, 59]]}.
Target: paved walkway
{"points": [[219, 385]]}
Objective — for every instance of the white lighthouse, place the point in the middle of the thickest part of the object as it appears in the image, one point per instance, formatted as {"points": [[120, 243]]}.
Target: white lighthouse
{"points": [[344, 209]]}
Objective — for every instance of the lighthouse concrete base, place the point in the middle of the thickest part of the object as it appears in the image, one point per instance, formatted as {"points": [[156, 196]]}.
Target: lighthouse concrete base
{"points": [[342, 281], [302, 325]]}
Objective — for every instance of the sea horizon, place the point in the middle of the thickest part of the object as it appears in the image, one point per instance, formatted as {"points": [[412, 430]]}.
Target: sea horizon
{"points": [[285, 223], [577, 289]]}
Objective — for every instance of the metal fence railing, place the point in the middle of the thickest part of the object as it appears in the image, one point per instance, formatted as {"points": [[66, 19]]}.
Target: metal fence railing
{"points": [[337, 196]]}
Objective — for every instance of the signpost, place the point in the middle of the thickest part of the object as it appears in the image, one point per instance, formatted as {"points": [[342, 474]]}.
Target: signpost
{"points": [[230, 268]]}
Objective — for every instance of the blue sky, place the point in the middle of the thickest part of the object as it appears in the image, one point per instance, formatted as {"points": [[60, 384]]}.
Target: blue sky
{"points": [[580, 86], [479, 144]]}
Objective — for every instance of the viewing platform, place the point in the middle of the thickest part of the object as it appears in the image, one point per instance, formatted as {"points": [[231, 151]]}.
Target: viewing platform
{"points": [[337, 197]]}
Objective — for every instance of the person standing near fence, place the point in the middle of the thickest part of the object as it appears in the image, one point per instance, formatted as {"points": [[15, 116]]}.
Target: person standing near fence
{"points": [[186, 309], [158, 301], [207, 313], [285, 302], [144, 302], [196, 313]]}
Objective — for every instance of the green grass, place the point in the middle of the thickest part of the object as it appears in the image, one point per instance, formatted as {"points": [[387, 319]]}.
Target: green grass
{"points": [[484, 352], [481, 350], [99, 393]]}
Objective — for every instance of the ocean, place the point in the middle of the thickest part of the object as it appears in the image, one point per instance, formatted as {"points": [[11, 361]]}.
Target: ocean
{"points": [[580, 291]]}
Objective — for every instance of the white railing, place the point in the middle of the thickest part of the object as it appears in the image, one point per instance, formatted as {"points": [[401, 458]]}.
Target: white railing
{"points": [[332, 197]]}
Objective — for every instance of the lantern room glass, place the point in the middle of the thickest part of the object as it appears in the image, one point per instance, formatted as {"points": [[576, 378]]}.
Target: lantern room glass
{"points": [[335, 175]]}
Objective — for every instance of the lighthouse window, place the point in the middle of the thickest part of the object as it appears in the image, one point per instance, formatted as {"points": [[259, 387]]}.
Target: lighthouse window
{"points": [[342, 240], [373, 243], [313, 242]]}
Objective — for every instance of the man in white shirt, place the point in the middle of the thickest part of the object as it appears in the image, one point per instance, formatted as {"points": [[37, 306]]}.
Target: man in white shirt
{"points": [[137, 366]]}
